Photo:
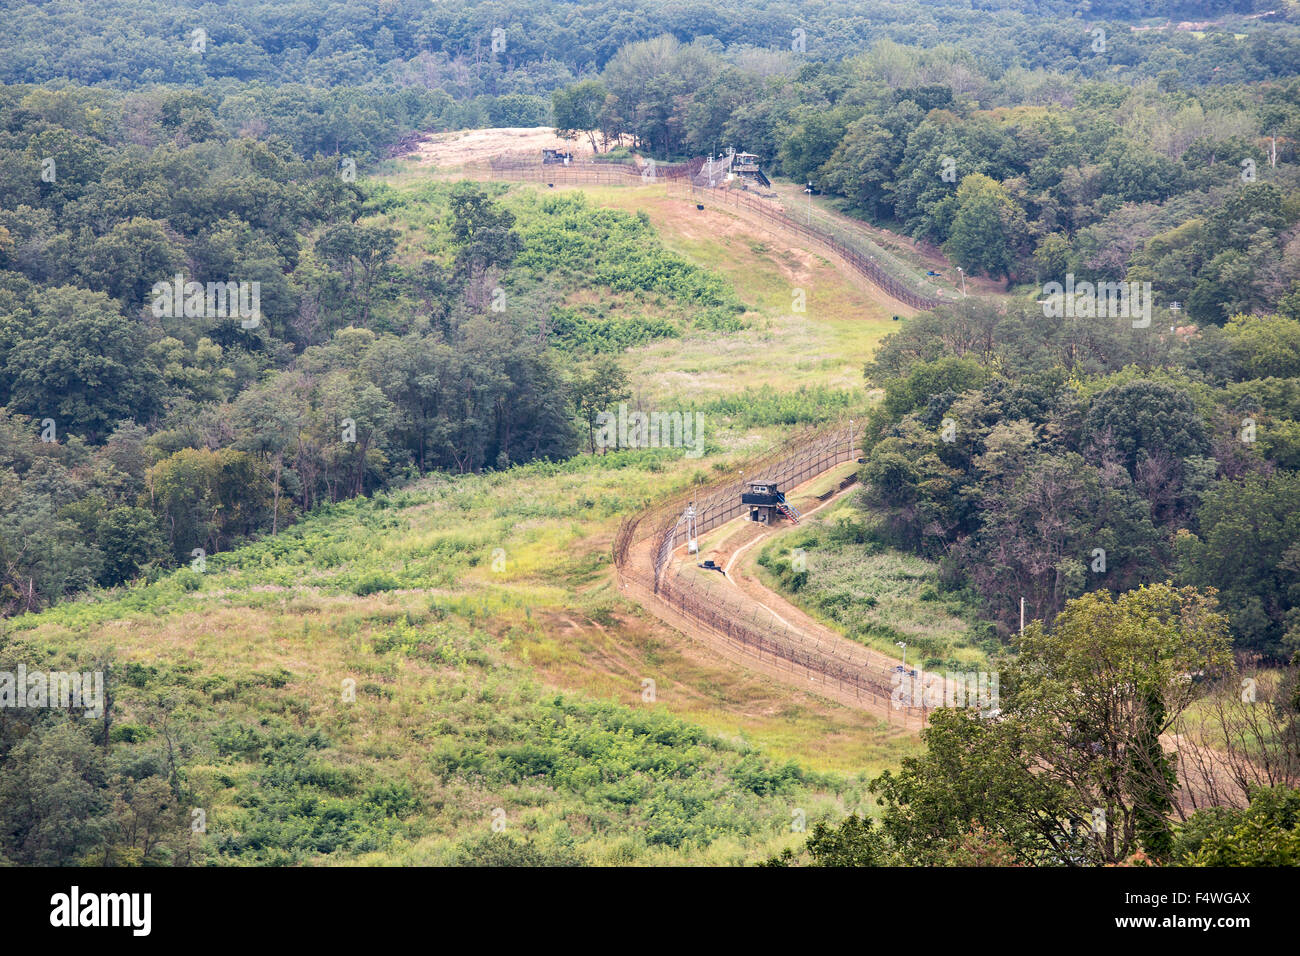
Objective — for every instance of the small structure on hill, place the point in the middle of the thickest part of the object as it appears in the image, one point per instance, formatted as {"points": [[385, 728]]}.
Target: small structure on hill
{"points": [[730, 166], [556, 157], [745, 165], [766, 502]]}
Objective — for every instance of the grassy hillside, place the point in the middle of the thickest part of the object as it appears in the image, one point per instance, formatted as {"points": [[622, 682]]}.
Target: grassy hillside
{"points": [[766, 342], [875, 594], [517, 688], [493, 664]]}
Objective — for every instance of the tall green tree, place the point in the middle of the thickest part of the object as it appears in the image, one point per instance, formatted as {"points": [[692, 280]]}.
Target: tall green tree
{"points": [[598, 389], [1072, 768], [73, 357], [577, 110], [988, 231], [1248, 546]]}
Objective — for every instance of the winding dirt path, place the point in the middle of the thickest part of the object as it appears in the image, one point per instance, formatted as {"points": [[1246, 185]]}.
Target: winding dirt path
{"points": [[733, 540], [739, 537]]}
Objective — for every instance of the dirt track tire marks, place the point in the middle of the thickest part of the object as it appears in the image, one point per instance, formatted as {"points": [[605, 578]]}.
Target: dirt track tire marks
{"points": [[816, 643]]}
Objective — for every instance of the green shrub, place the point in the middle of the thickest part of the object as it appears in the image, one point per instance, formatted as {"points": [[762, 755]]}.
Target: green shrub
{"points": [[373, 582]]}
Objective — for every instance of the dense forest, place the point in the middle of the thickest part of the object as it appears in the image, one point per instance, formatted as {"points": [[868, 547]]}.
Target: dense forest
{"points": [[132, 439], [1176, 456], [543, 45], [1018, 174]]}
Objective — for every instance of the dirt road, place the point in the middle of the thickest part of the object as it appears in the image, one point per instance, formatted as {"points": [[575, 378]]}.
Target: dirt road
{"points": [[732, 549], [825, 650]]}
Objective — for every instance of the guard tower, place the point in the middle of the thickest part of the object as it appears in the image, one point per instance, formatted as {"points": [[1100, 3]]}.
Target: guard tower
{"points": [[745, 165], [766, 502]]}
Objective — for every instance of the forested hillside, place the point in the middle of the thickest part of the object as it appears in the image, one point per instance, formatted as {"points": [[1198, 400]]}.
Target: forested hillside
{"points": [[1175, 457], [284, 405], [374, 359]]}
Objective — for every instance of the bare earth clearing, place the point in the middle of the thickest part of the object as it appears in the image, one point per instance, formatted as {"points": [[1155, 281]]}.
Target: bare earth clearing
{"points": [[474, 145]]}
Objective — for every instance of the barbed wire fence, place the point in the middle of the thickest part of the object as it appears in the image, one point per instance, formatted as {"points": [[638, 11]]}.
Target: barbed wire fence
{"points": [[526, 167], [816, 232], [804, 453], [645, 542], [753, 631], [680, 179], [810, 454]]}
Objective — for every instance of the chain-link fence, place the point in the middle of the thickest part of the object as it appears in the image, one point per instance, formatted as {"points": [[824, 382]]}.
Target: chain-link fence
{"points": [[526, 167], [820, 233], [645, 542]]}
